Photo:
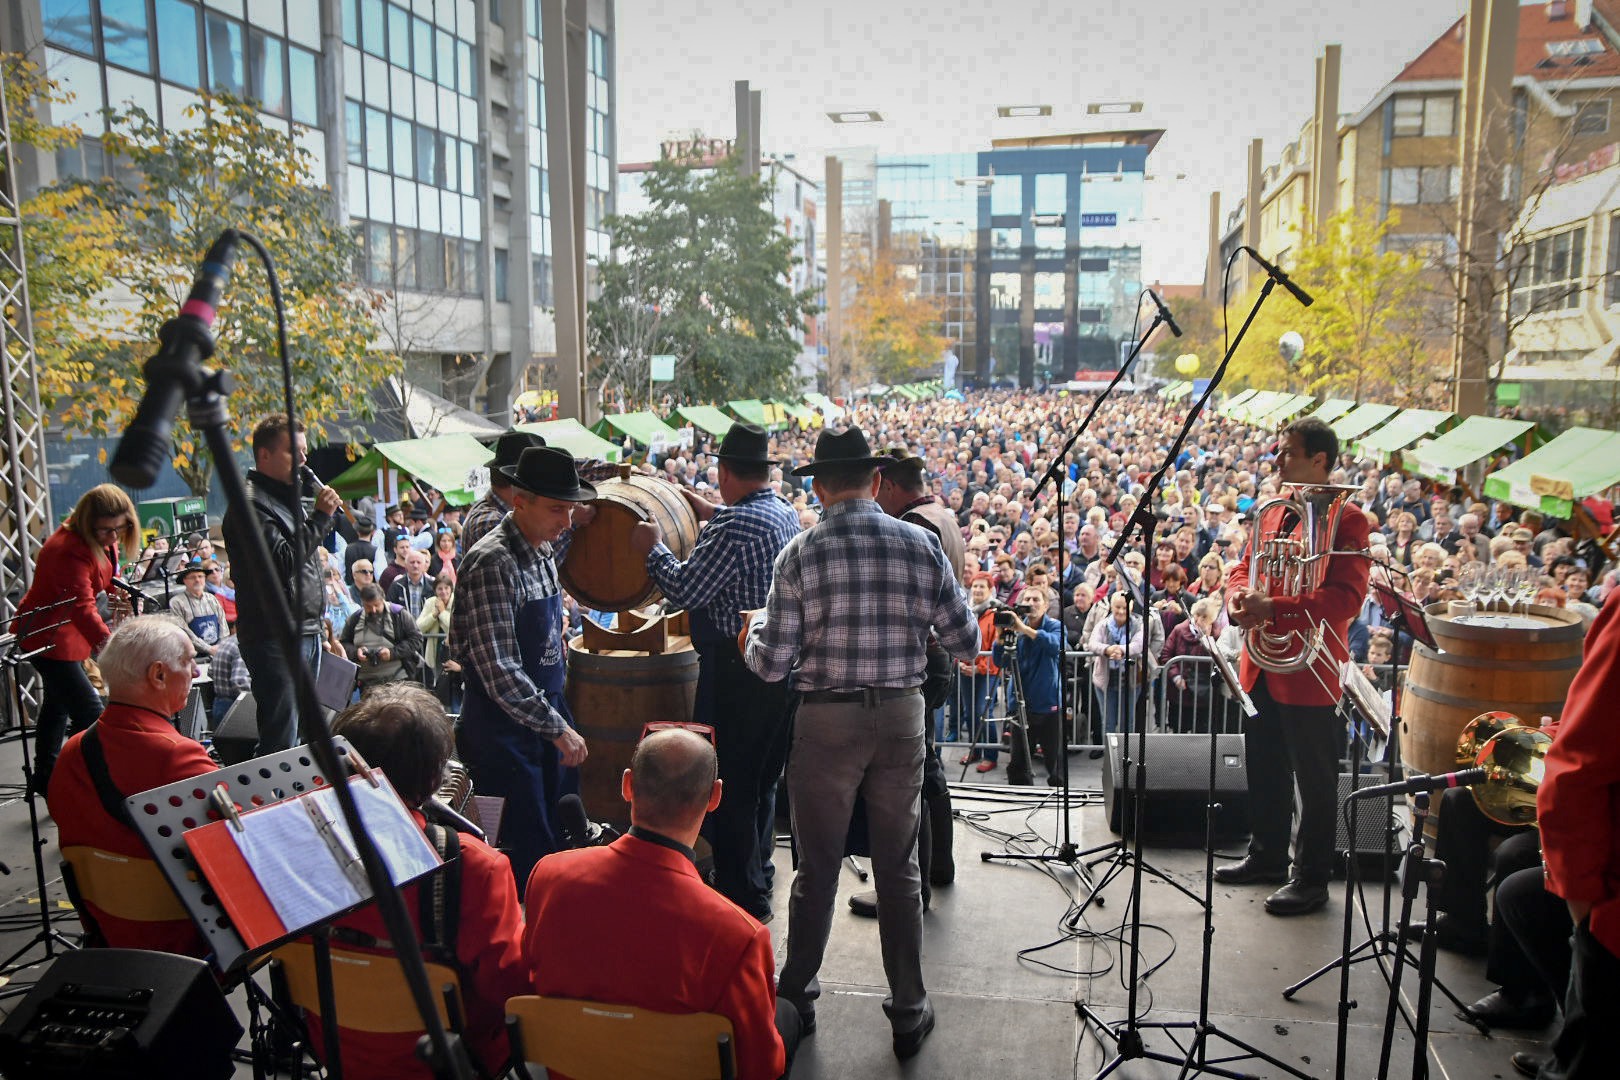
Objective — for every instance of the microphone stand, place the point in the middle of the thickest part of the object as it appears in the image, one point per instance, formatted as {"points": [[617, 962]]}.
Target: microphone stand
{"points": [[1067, 854], [179, 373], [1127, 1035]]}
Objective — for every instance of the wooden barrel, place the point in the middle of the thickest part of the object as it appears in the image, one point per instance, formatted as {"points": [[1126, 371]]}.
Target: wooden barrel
{"points": [[1525, 671], [601, 571], [611, 695]]}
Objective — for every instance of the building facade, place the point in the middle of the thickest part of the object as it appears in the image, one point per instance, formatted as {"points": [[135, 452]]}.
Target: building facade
{"points": [[425, 118]]}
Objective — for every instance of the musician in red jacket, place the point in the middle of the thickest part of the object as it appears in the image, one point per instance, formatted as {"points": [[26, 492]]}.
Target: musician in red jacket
{"points": [[633, 923], [1297, 734], [1578, 809], [148, 667], [76, 563]]}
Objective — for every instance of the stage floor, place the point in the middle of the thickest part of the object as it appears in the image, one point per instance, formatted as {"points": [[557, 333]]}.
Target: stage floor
{"points": [[1000, 1012]]}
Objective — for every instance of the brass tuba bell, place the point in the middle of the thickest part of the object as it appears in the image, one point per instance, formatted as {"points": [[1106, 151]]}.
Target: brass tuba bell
{"points": [[1514, 757], [1285, 565]]}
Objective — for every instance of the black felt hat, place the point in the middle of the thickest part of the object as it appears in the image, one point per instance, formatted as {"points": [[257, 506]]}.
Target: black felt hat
{"points": [[550, 473], [195, 566], [838, 451], [510, 447], [746, 443]]}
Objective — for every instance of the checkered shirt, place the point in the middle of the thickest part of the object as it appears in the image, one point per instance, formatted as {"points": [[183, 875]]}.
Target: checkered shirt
{"points": [[502, 572], [853, 603], [487, 513], [729, 571]]}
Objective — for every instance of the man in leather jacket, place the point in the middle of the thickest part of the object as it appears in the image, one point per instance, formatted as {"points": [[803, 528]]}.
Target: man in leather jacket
{"points": [[273, 490]]}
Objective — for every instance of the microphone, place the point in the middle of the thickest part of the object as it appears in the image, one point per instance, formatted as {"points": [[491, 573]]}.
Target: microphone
{"points": [[1425, 782], [572, 822], [1164, 313], [440, 811], [171, 373], [1277, 275]]}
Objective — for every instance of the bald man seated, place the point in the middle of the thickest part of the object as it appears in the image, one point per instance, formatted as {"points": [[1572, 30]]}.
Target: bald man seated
{"points": [[633, 923]]}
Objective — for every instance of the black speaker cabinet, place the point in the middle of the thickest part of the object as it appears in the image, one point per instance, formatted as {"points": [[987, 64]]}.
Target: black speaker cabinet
{"points": [[1375, 818], [238, 731], [121, 1014], [1177, 785]]}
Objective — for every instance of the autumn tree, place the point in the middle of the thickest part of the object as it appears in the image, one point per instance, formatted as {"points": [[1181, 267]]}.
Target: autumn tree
{"points": [[113, 257], [703, 274], [890, 333]]}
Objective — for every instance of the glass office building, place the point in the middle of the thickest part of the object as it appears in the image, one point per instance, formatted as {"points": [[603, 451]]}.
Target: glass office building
{"points": [[412, 114]]}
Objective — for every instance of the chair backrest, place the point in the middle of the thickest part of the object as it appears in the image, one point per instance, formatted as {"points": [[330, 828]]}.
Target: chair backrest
{"points": [[123, 886], [589, 1040], [368, 989]]}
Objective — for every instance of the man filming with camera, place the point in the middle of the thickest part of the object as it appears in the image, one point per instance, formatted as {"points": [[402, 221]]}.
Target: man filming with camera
{"points": [[1030, 641]]}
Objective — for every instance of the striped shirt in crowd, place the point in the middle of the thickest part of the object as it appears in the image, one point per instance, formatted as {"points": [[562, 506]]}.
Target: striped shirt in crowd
{"points": [[729, 570], [853, 603]]}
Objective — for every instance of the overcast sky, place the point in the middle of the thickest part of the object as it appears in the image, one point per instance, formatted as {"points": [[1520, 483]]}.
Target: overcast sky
{"points": [[1212, 73]]}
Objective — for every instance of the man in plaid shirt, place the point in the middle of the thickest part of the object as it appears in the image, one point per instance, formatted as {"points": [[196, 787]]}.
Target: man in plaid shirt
{"points": [[849, 616], [729, 572]]}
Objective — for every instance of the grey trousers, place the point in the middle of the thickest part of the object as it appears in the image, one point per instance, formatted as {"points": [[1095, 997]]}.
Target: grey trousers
{"points": [[840, 749]]}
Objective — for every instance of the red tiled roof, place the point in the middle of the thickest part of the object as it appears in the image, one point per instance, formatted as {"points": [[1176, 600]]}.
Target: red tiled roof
{"points": [[1444, 58]]}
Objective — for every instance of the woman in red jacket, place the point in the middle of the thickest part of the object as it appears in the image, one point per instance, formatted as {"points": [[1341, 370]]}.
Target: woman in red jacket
{"points": [[76, 564]]}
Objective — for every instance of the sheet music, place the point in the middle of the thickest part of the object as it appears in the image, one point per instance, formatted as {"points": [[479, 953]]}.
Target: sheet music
{"points": [[405, 851], [276, 843]]}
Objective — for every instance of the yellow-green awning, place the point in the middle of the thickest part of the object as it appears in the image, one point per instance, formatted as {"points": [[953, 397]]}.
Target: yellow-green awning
{"points": [[574, 437], [1404, 430], [1263, 402], [1362, 419], [644, 427], [441, 462], [704, 418], [825, 405], [1580, 462], [755, 411], [1230, 406], [1475, 438], [1285, 410], [1331, 409]]}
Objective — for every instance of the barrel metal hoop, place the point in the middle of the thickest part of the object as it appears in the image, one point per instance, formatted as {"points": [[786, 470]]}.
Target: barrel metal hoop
{"points": [[1454, 660], [1535, 708]]}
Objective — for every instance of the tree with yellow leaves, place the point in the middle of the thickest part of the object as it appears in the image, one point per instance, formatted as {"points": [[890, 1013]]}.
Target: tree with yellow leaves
{"points": [[111, 260], [890, 333]]}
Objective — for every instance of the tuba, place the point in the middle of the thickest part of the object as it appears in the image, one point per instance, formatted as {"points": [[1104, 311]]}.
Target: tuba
{"points": [[1514, 757], [1286, 565]]}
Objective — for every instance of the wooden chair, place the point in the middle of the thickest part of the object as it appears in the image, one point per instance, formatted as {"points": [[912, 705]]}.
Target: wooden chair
{"points": [[588, 1040], [123, 886], [369, 992]]}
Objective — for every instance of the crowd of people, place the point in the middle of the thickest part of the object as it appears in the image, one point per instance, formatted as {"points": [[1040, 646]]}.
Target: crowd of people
{"points": [[801, 559]]}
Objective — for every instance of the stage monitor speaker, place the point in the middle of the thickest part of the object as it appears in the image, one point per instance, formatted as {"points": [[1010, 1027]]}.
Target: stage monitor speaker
{"points": [[238, 731], [1177, 784], [192, 721], [1375, 819], [121, 1014]]}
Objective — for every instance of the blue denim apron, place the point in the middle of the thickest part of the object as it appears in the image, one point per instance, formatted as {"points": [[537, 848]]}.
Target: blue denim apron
{"points": [[517, 762]]}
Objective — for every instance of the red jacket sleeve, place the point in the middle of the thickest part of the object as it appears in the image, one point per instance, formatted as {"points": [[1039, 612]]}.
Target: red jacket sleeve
{"points": [[1578, 802], [489, 946], [749, 999]]}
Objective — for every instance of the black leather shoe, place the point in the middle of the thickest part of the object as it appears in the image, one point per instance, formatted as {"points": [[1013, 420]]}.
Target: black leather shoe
{"points": [[1297, 898], [1527, 1064], [864, 904], [1451, 935], [1247, 870], [907, 1044], [1504, 1010], [807, 1024]]}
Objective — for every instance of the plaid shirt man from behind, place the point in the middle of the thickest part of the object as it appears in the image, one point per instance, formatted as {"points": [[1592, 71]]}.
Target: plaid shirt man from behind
{"points": [[849, 616]]}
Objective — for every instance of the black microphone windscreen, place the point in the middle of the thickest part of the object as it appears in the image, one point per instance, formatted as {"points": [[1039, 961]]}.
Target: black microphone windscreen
{"points": [[572, 822]]}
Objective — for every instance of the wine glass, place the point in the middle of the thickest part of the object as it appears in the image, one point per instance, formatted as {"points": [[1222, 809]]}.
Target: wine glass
{"points": [[1493, 588], [1529, 586], [1468, 580]]}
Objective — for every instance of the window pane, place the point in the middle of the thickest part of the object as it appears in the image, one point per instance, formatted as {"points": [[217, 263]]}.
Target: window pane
{"points": [[376, 139], [1050, 189], [1434, 184], [376, 82], [1403, 187], [374, 30], [428, 203], [1577, 254], [379, 244], [225, 72], [268, 72], [404, 258], [1007, 195], [1006, 241], [80, 77], [304, 22], [123, 34], [422, 41], [126, 91], [1408, 116], [399, 37], [501, 257], [404, 152], [1049, 290], [67, 23], [1438, 115], [446, 63], [177, 42], [469, 172], [402, 95], [429, 168], [357, 192], [405, 202], [351, 22], [1006, 291], [354, 132], [306, 86], [1050, 238], [430, 261], [466, 81]]}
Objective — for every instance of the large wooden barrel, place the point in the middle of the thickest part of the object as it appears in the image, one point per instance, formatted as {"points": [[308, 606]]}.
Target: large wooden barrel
{"points": [[1525, 670], [611, 695], [601, 571]]}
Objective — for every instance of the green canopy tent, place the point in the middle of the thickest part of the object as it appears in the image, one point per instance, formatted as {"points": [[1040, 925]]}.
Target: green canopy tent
{"points": [[1263, 402], [574, 437], [1362, 419], [1180, 393], [755, 411], [805, 416], [1230, 406], [1170, 391], [824, 405], [1580, 462], [441, 463], [644, 427], [705, 418], [1285, 410], [1331, 409], [1404, 430], [1474, 439]]}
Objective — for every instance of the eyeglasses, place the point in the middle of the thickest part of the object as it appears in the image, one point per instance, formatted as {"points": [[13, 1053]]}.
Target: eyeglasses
{"points": [[109, 530]]}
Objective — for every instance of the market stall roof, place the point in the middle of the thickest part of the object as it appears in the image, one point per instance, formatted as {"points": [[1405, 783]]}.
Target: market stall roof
{"points": [[1580, 462], [825, 405], [1331, 409], [755, 411], [704, 418], [644, 427], [1170, 391], [1263, 402], [802, 413], [1180, 392], [441, 462], [1362, 419], [1285, 410], [1230, 406], [1404, 430], [573, 436], [429, 415], [1475, 438]]}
